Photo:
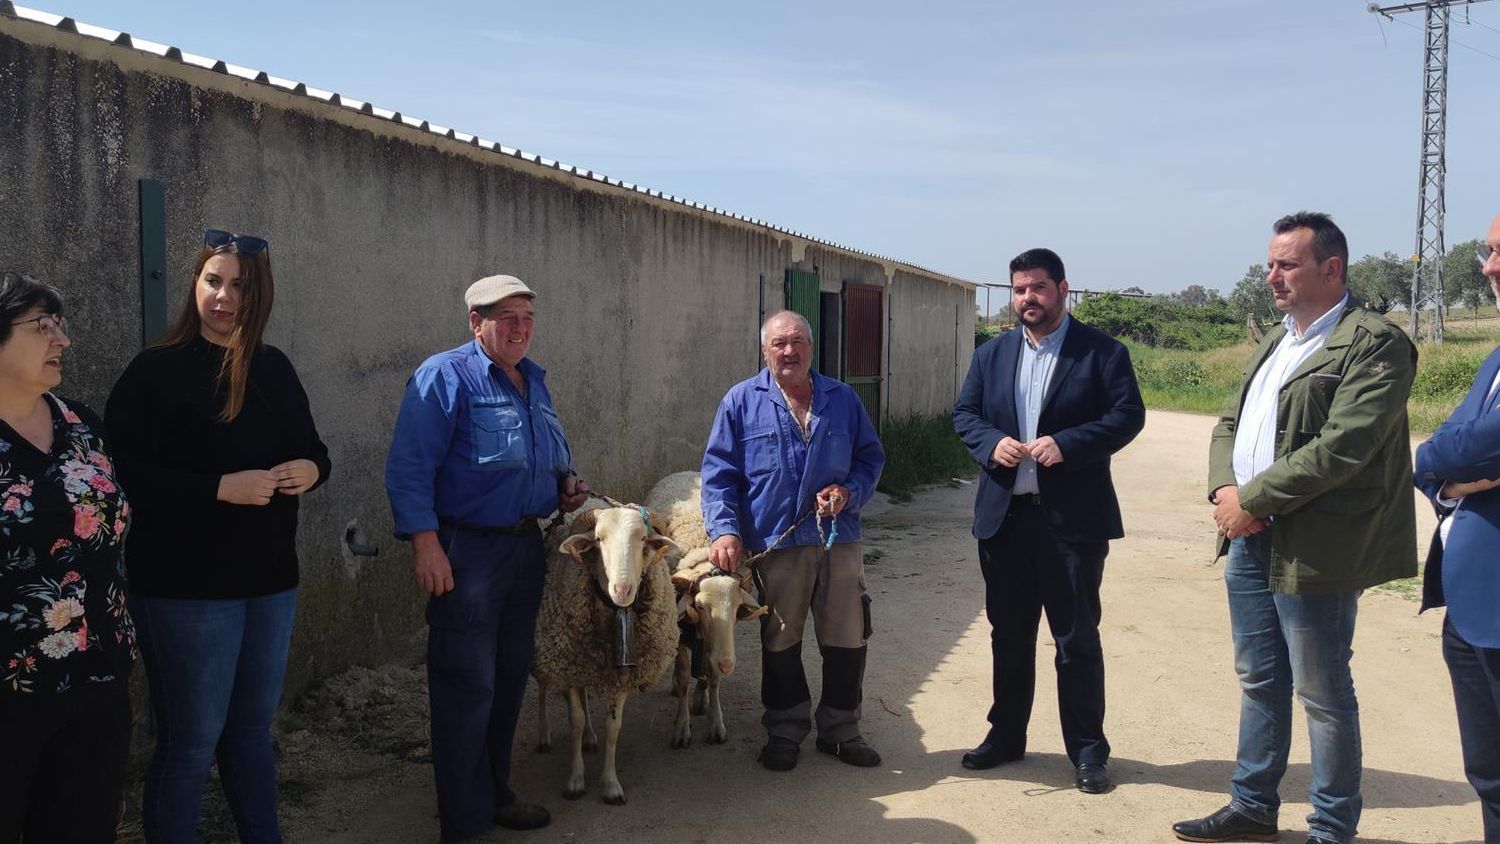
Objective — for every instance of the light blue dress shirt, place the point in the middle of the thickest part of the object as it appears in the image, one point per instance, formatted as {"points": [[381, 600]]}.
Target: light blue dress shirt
{"points": [[1033, 374]]}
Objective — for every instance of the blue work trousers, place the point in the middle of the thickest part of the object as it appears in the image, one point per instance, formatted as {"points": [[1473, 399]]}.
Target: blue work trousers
{"points": [[479, 648]]}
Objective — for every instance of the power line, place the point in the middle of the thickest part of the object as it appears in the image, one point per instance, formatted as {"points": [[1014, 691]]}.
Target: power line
{"points": [[1431, 208], [1468, 47]]}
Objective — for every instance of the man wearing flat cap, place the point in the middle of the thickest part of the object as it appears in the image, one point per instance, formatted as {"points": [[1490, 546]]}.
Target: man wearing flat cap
{"points": [[477, 457]]}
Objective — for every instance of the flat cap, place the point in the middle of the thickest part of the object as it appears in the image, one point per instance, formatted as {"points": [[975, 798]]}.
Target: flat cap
{"points": [[491, 289]]}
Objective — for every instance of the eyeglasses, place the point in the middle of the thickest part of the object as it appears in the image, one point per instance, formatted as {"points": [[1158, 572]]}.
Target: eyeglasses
{"points": [[244, 244], [1483, 253], [53, 324]]}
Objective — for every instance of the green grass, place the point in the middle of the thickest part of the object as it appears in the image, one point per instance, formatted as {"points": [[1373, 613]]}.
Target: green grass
{"points": [[1201, 382], [920, 450]]}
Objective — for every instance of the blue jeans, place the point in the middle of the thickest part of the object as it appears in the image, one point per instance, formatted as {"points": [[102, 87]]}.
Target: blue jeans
{"points": [[215, 669], [1284, 642]]}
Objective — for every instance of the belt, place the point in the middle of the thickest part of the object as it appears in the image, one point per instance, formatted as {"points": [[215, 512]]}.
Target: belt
{"points": [[520, 528], [1030, 499]]}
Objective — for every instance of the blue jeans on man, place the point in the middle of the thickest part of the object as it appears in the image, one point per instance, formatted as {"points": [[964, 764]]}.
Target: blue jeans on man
{"points": [[215, 668], [479, 650], [1285, 643]]}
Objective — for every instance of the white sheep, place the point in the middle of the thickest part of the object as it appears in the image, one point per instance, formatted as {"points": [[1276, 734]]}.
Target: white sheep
{"points": [[607, 553], [709, 605]]}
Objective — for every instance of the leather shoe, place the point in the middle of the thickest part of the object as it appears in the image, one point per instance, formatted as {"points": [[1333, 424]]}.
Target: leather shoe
{"points": [[522, 816], [779, 754], [987, 756], [1227, 824], [851, 751], [1092, 778]]}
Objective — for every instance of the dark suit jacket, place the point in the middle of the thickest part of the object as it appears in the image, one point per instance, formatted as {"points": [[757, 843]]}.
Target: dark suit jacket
{"points": [[1092, 409], [1466, 574]]}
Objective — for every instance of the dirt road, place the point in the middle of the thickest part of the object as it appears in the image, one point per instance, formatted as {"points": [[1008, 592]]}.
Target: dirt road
{"points": [[1173, 708]]}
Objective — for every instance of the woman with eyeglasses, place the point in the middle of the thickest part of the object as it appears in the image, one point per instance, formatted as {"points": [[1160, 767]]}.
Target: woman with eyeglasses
{"points": [[66, 642], [215, 442]]}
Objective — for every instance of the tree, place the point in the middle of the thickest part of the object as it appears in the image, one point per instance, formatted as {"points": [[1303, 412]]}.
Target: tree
{"points": [[1463, 277], [1383, 280], [1195, 296], [1252, 296]]}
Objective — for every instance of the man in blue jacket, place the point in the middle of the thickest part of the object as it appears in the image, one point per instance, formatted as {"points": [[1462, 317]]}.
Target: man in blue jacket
{"points": [[477, 457], [1042, 409], [1459, 469], [784, 443]]}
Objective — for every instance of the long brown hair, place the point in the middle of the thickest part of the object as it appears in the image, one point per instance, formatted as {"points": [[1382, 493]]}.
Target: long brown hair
{"points": [[257, 294]]}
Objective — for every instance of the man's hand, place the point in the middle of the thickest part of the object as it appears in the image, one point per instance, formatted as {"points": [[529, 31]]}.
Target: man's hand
{"points": [[1453, 489], [429, 564], [295, 477], [574, 492], [253, 487], [1044, 451], [1009, 452], [725, 552], [1232, 519], [832, 500]]}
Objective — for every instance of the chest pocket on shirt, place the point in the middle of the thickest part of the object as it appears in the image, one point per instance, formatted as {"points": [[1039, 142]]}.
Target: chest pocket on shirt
{"points": [[761, 451], [562, 456], [838, 452], [499, 434]]}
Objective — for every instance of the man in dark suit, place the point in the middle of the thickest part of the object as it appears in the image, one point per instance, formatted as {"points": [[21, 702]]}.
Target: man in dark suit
{"points": [[1042, 409], [1459, 469]]}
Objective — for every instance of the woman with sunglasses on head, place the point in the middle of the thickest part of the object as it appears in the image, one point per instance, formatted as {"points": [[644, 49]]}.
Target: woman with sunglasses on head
{"points": [[66, 643], [215, 442]]}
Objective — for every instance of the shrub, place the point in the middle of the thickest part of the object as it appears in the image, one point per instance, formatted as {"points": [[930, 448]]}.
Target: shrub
{"points": [[921, 450]]}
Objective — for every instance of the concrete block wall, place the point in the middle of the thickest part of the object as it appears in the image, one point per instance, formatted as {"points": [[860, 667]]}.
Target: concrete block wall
{"points": [[647, 307]]}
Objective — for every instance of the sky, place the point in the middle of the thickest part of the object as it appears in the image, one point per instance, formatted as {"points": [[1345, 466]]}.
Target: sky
{"points": [[1150, 144]]}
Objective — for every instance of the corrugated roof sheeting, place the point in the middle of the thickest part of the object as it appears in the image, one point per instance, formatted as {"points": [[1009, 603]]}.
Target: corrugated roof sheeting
{"points": [[124, 39]]}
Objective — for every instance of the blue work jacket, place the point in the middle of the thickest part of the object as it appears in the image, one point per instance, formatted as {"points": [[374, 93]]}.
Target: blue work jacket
{"points": [[469, 449], [759, 475]]}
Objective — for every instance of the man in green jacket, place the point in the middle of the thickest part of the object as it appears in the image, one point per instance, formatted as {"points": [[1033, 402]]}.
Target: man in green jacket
{"points": [[1308, 473]]}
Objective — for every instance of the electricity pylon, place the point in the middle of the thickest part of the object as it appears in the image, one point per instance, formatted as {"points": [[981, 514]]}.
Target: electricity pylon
{"points": [[1427, 263]]}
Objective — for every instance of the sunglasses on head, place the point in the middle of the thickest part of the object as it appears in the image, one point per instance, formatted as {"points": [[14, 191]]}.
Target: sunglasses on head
{"points": [[244, 244]]}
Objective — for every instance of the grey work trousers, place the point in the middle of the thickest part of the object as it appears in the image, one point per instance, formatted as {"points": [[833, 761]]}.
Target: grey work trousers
{"points": [[794, 581]]}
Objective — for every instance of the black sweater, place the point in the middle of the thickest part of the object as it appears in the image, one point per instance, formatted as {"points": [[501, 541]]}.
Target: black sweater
{"points": [[170, 453]]}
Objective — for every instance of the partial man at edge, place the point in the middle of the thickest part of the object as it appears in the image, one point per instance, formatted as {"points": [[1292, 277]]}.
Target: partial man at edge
{"points": [[1459, 470]]}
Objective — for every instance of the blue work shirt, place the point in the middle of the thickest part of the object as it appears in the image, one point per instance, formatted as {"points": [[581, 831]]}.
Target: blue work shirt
{"points": [[759, 475], [470, 449]]}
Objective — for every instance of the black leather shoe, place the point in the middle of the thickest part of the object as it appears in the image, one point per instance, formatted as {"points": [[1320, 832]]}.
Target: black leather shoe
{"points": [[1225, 825], [522, 816], [987, 756], [1092, 778], [851, 752], [779, 754]]}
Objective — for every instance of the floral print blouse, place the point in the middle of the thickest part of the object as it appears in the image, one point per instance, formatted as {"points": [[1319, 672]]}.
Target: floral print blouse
{"points": [[63, 520]]}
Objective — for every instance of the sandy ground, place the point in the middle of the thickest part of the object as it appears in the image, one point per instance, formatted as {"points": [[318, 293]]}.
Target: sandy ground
{"points": [[356, 766]]}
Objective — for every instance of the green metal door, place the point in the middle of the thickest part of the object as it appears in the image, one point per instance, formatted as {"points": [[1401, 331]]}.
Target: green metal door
{"points": [[802, 290]]}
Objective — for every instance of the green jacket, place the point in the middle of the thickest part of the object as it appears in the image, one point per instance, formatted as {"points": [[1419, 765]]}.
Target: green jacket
{"points": [[1338, 495]]}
